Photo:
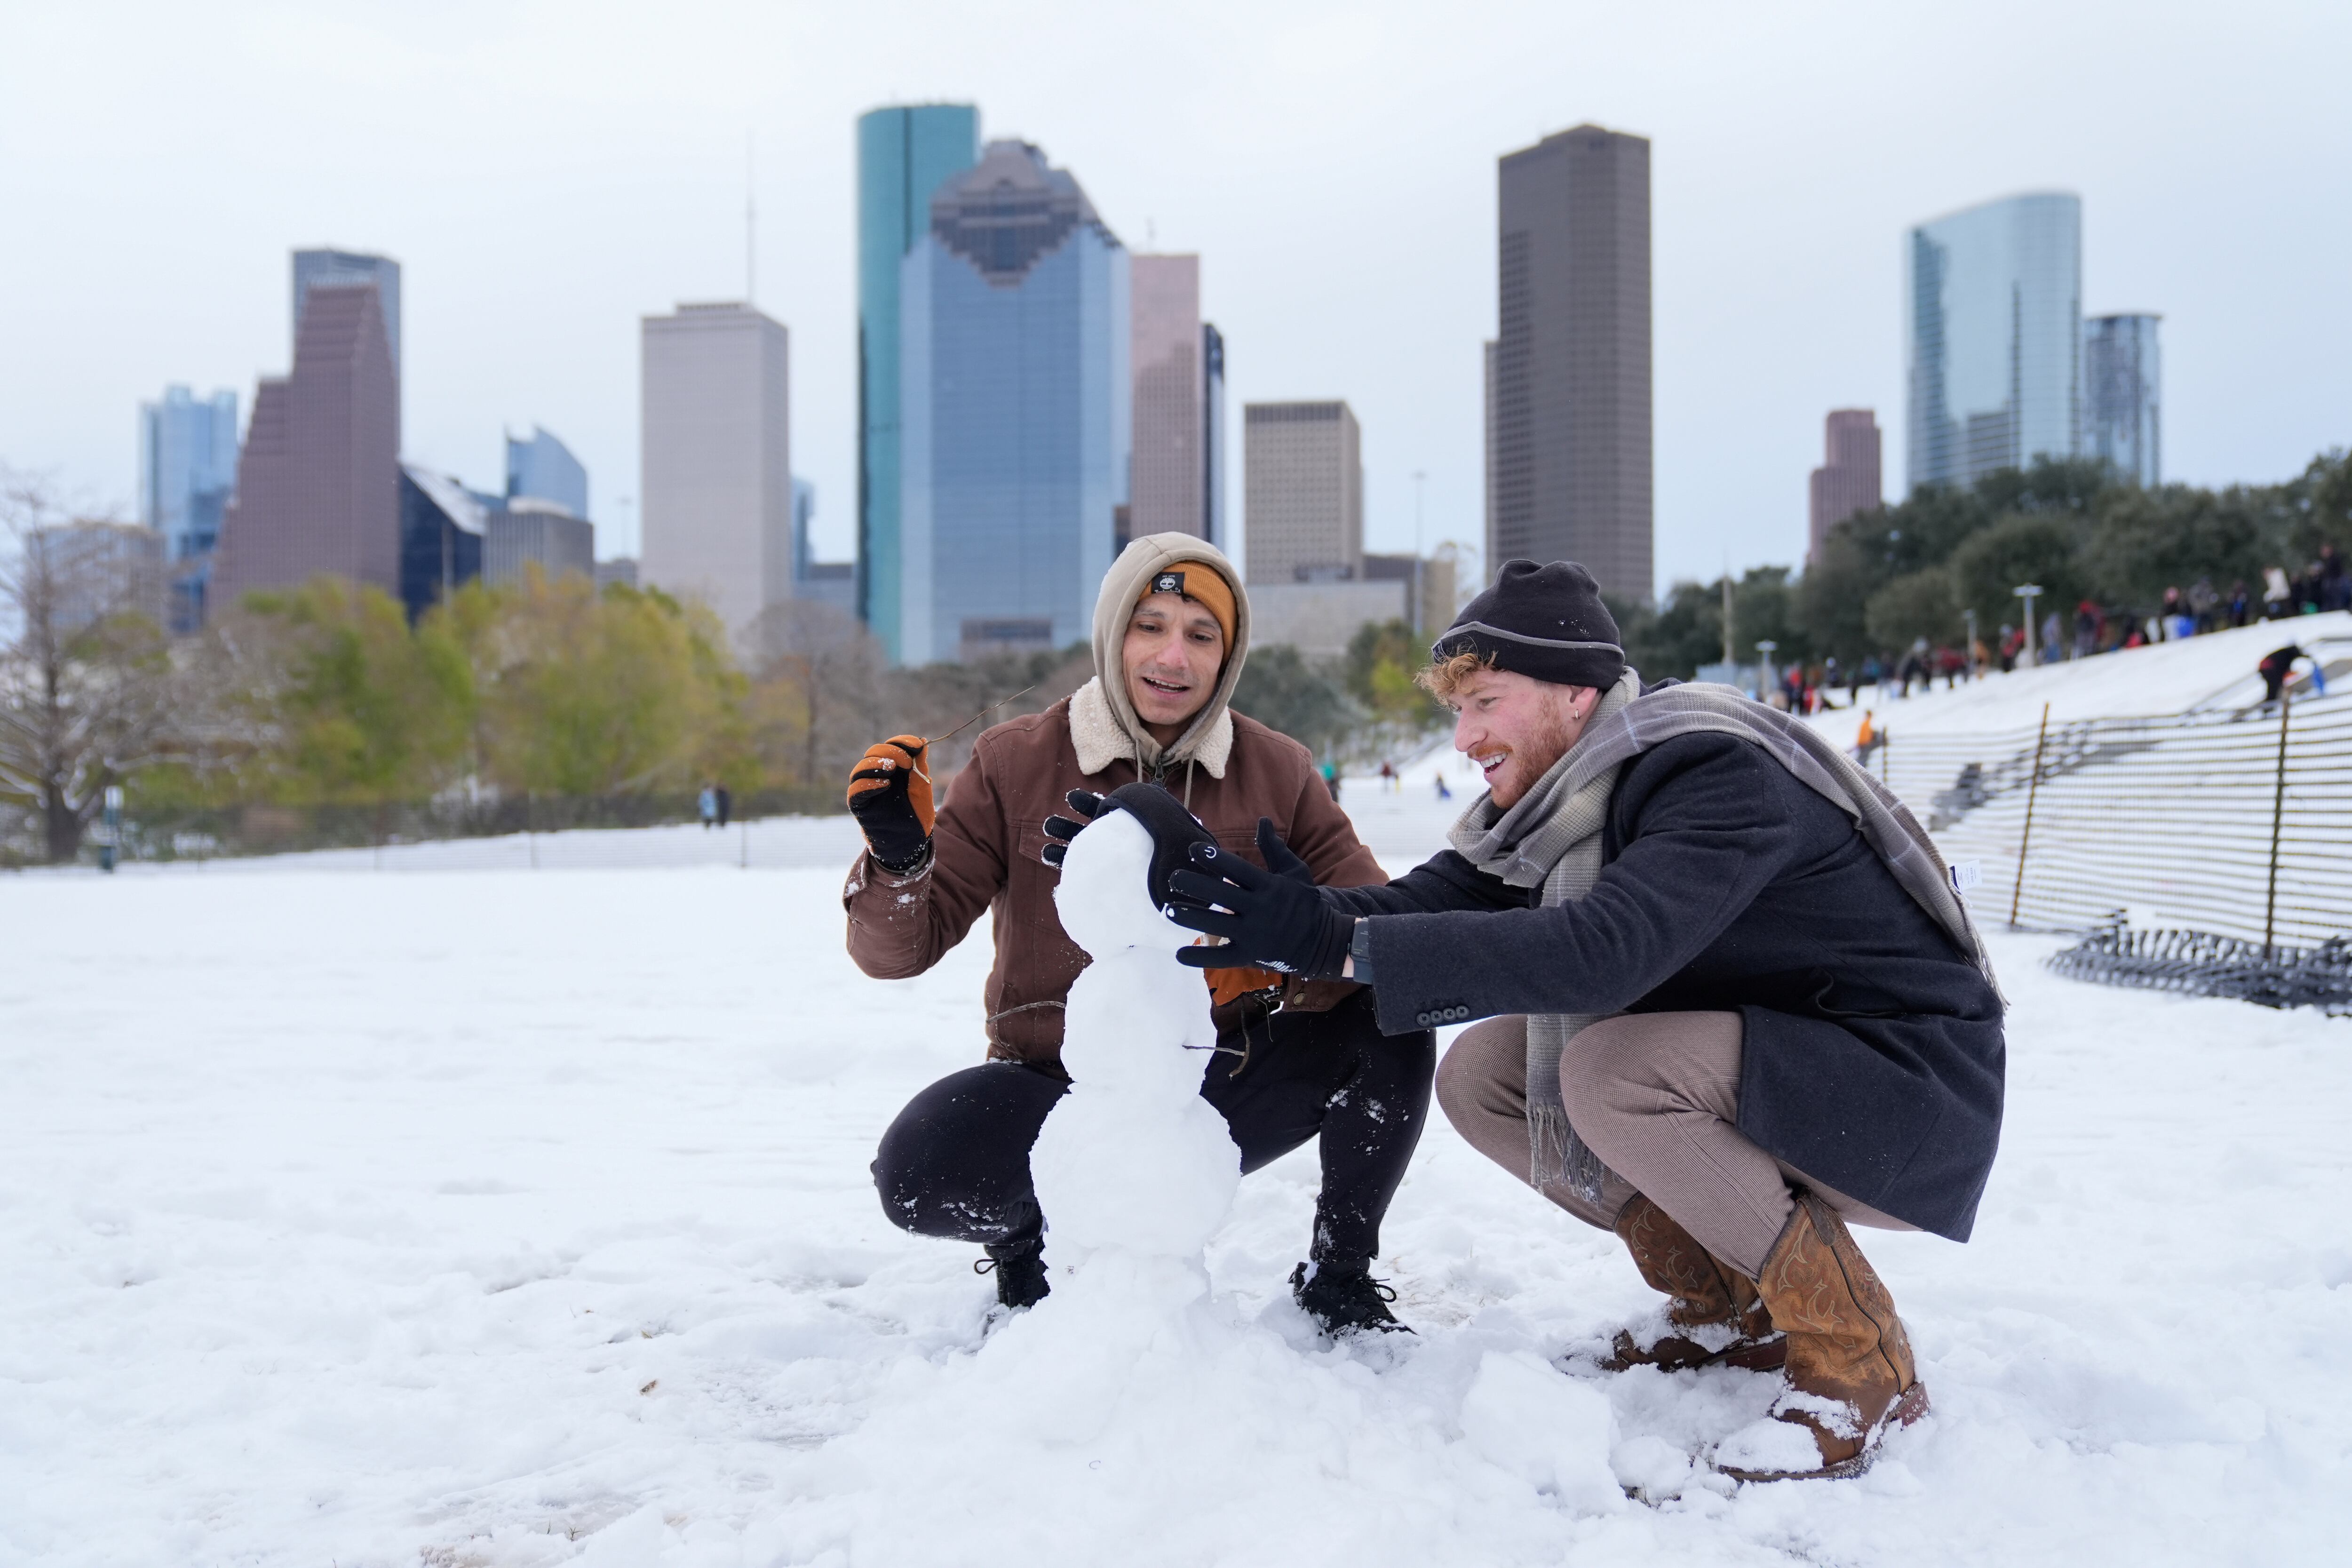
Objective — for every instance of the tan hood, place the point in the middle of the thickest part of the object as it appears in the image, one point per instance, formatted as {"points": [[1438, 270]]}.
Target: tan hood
{"points": [[1103, 721]]}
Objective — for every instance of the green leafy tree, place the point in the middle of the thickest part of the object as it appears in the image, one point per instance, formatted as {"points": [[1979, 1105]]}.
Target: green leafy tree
{"points": [[1281, 689], [589, 693], [1915, 604], [2040, 547], [2146, 541], [364, 710]]}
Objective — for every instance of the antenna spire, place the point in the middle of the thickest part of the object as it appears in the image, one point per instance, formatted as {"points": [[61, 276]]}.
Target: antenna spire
{"points": [[751, 226]]}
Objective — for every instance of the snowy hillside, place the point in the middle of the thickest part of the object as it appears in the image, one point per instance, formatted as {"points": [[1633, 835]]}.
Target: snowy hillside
{"points": [[489, 1219]]}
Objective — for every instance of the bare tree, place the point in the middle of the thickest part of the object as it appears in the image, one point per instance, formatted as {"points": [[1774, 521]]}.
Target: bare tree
{"points": [[832, 665], [86, 673]]}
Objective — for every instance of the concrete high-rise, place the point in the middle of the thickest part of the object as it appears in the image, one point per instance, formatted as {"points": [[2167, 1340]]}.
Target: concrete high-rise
{"points": [[904, 154], [1212, 439], [1994, 323], [1303, 486], [1168, 492], [318, 482], [1015, 403], [1570, 436], [717, 482], [340, 268], [543, 469], [1848, 481], [2123, 395]]}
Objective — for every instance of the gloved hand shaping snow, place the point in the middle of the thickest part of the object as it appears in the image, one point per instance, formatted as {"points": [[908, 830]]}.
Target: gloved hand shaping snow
{"points": [[1275, 919], [1173, 829]]}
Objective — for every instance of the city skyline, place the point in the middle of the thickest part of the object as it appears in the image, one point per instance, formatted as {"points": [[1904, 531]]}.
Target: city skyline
{"points": [[2201, 223]]}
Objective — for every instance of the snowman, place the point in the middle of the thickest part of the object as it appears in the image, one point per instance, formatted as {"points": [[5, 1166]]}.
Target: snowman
{"points": [[1133, 1169]]}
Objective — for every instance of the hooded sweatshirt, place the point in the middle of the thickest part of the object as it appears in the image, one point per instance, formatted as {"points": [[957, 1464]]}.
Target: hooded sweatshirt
{"points": [[1103, 719], [987, 842]]}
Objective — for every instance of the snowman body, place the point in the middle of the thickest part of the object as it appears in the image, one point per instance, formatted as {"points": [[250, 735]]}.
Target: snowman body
{"points": [[1131, 1162]]}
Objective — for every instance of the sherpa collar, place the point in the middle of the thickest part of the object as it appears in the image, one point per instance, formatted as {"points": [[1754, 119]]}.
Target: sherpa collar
{"points": [[1100, 740]]}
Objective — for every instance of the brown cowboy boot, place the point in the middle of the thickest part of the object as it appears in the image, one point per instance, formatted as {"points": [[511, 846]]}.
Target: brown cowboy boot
{"points": [[1849, 1370], [1722, 1321]]}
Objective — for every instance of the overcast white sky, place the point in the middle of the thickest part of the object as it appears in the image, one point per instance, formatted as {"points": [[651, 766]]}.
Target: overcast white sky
{"points": [[548, 173]]}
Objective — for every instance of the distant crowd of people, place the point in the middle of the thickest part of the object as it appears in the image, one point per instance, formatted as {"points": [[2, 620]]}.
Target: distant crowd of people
{"points": [[2094, 628]]}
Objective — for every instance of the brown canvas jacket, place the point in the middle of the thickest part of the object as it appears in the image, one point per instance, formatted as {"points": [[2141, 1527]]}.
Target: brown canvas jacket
{"points": [[985, 856]]}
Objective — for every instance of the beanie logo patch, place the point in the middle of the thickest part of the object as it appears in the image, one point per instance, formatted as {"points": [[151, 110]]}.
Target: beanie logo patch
{"points": [[1168, 583]]}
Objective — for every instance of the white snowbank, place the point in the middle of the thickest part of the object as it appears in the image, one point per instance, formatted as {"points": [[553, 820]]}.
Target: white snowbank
{"points": [[498, 1219]]}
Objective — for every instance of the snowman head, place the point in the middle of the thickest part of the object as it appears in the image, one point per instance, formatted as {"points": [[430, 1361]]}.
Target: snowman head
{"points": [[1105, 896]]}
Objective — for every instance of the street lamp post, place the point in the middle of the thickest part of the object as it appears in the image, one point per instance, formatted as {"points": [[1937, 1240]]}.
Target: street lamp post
{"points": [[1765, 681], [2029, 591]]}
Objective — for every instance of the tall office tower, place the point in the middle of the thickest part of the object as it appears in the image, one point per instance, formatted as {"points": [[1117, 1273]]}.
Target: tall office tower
{"points": [[1166, 490], [187, 470], [187, 467], [528, 531], [442, 524], [340, 269], [1994, 296], [544, 470], [1848, 481], [1486, 540], [2123, 395], [830, 583], [717, 482], [1571, 432], [1303, 490], [318, 484], [1213, 434], [1015, 401], [904, 155]]}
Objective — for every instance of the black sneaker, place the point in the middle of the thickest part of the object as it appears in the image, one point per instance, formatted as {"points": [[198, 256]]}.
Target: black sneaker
{"points": [[1344, 1297], [1020, 1270]]}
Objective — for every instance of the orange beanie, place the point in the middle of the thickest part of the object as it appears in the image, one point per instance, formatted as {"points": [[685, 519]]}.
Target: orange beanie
{"points": [[1201, 582]]}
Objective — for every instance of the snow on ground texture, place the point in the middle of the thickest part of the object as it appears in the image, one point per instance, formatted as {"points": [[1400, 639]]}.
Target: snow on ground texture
{"points": [[497, 1218]]}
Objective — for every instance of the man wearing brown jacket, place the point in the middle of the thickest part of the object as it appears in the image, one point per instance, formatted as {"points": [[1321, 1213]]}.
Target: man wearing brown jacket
{"points": [[1170, 632]]}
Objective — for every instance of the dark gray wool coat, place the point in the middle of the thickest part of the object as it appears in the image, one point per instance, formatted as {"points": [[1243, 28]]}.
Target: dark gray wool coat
{"points": [[1873, 1056]]}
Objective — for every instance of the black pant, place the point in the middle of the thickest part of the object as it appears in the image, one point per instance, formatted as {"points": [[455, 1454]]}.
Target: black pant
{"points": [[956, 1162]]}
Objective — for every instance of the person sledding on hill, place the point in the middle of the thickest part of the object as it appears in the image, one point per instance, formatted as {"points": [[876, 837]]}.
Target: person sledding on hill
{"points": [[1730, 1002], [2278, 666], [1294, 1059]]}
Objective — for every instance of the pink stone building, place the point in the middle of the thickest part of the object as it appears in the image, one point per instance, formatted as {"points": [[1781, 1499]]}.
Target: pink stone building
{"points": [[1168, 492], [1848, 482], [317, 481]]}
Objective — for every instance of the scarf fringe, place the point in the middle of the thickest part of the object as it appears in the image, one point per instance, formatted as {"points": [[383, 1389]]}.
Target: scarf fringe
{"points": [[1560, 1159]]}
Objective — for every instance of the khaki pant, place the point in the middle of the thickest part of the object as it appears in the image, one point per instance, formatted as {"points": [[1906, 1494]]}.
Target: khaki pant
{"points": [[1656, 1095]]}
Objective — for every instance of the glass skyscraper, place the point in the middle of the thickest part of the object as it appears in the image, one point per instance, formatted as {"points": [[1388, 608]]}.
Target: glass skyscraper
{"points": [[187, 472], [187, 467], [1016, 403], [904, 154], [1995, 301], [332, 269], [2123, 395], [544, 468]]}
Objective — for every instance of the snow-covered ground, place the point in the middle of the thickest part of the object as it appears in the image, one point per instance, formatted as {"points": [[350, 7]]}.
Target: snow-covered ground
{"points": [[484, 1218]]}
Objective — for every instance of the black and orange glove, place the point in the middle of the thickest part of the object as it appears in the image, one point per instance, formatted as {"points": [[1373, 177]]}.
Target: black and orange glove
{"points": [[890, 795]]}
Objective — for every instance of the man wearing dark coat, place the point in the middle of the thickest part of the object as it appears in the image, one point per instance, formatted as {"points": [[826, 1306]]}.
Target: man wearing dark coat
{"points": [[1729, 1002]]}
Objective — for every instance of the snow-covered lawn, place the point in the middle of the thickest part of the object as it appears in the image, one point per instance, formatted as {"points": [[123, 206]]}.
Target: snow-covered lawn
{"points": [[492, 1217]]}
